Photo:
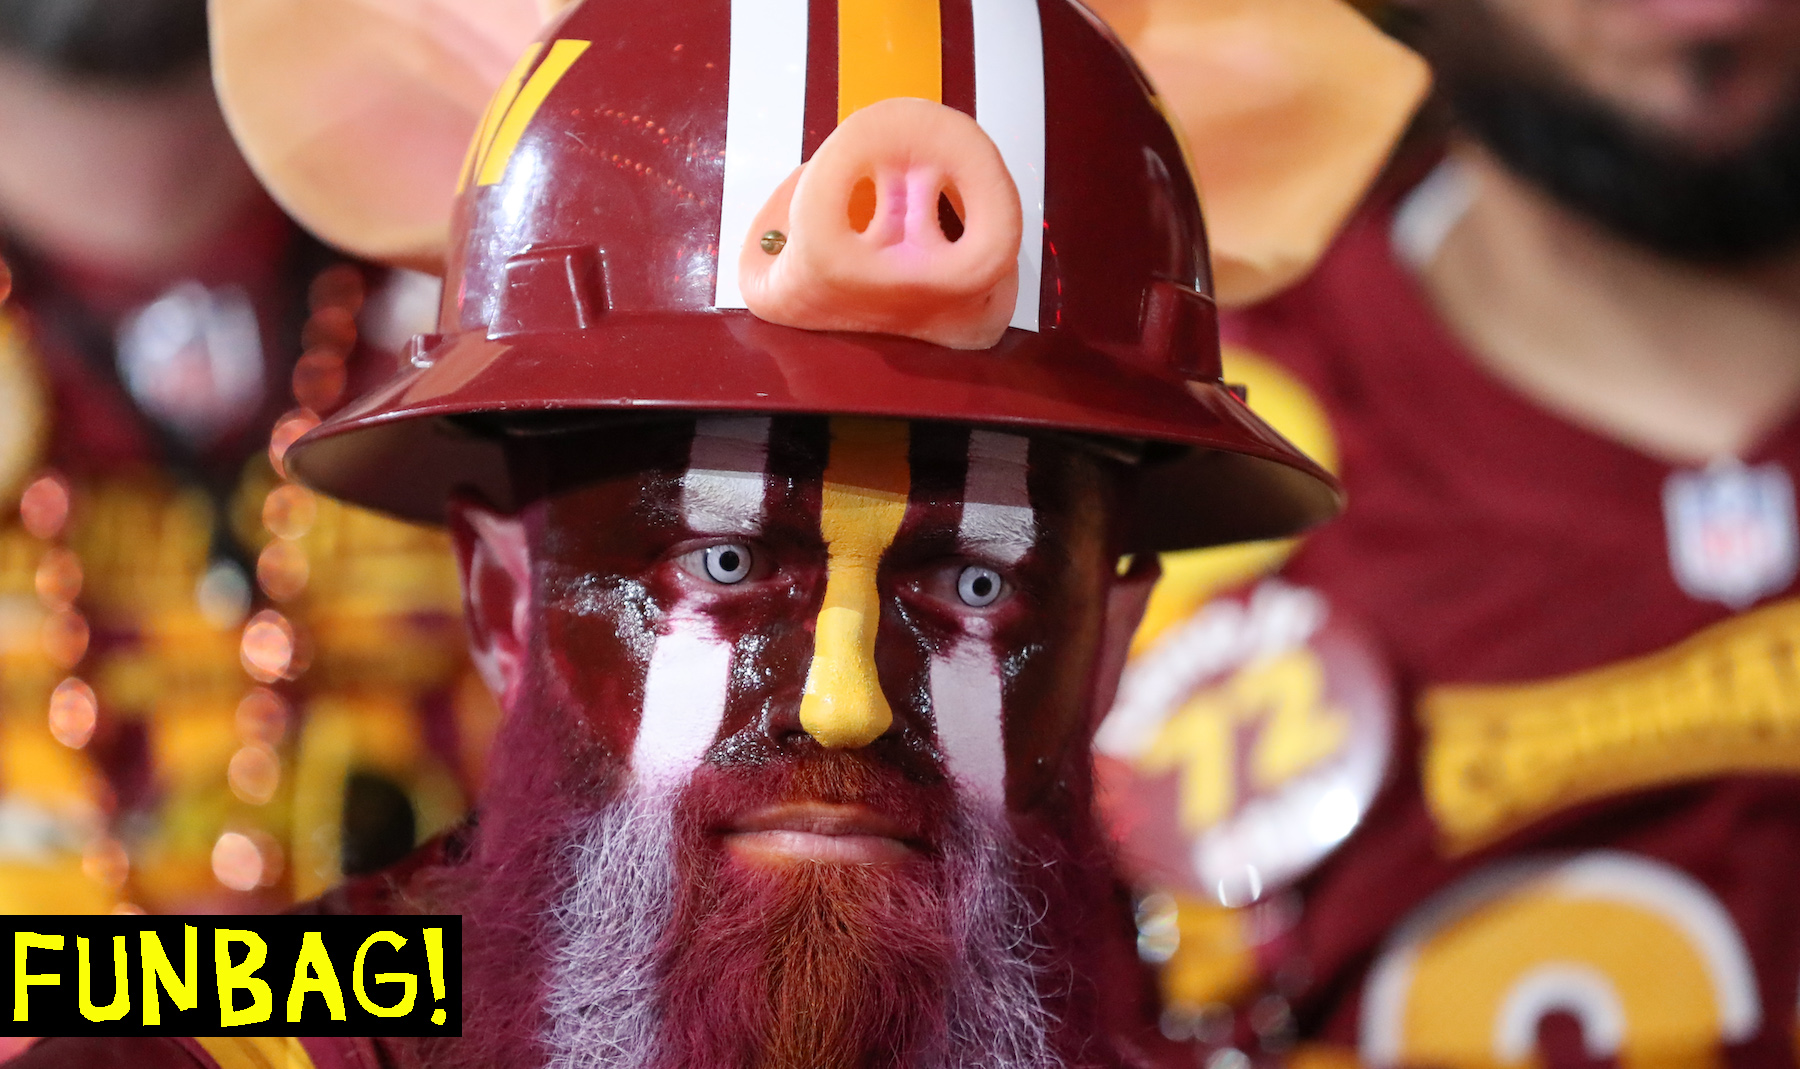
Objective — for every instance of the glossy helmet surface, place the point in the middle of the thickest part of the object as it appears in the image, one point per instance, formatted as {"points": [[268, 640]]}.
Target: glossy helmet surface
{"points": [[593, 261]]}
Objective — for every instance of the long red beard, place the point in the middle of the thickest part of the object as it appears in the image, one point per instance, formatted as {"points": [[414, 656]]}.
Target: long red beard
{"points": [[806, 965], [630, 937]]}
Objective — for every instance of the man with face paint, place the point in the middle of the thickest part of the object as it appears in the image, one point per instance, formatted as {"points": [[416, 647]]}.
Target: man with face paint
{"points": [[816, 388], [811, 696]]}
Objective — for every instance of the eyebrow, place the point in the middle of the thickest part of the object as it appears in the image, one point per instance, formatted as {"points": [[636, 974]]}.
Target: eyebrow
{"points": [[1003, 532], [997, 518], [723, 489]]}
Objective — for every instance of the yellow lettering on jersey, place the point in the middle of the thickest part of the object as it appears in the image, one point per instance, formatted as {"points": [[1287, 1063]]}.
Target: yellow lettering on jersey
{"points": [[24, 410], [1214, 959], [256, 1052], [1726, 700], [1643, 956]]}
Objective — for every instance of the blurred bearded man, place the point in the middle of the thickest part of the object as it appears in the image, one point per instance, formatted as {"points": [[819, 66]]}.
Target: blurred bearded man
{"points": [[1560, 361], [807, 446]]}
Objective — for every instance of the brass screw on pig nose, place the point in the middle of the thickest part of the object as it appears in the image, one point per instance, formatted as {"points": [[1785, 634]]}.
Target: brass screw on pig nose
{"points": [[773, 242]]}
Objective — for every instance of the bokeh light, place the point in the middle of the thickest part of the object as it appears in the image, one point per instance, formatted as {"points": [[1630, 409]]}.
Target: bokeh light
{"points": [[268, 646], [254, 773], [262, 716], [236, 862], [73, 713], [289, 511], [44, 506], [282, 570]]}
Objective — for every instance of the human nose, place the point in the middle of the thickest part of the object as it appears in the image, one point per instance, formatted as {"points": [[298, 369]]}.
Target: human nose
{"points": [[863, 502]]}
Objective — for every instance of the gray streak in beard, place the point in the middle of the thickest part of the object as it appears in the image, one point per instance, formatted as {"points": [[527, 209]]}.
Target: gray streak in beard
{"points": [[603, 997], [995, 1016]]}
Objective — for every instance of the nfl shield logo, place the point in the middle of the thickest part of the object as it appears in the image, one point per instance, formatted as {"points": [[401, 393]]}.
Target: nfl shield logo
{"points": [[1731, 531]]}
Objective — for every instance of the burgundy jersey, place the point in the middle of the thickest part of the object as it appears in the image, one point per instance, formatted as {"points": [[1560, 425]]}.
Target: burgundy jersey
{"points": [[1587, 847]]}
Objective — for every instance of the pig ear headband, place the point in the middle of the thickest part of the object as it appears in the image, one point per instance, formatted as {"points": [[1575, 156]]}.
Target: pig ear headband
{"points": [[358, 115]]}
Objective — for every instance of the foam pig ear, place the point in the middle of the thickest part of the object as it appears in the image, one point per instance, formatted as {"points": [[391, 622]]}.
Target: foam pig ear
{"points": [[357, 114], [1288, 107]]}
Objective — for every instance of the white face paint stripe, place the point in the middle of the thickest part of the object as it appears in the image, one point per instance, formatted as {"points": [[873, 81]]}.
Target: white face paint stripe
{"points": [[966, 692], [997, 520], [722, 491], [689, 676], [966, 703], [1009, 105], [765, 109], [684, 700]]}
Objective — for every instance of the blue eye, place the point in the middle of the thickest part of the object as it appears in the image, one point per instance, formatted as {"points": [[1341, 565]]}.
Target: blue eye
{"points": [[978, 587], [727, 564]]}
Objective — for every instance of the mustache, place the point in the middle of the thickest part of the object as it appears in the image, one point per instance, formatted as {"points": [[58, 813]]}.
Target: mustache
{"points": [[918, 810]]}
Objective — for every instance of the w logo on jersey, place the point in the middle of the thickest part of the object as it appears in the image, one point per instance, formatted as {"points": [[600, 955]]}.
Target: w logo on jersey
{"points": [[1731, 531]]}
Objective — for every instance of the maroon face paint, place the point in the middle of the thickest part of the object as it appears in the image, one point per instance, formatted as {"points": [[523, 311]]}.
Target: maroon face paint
{"points": [[621, 568], [814, 897]]}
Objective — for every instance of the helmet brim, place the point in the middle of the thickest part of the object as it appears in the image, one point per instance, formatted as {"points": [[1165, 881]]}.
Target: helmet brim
{"points": [[1217, 474]]}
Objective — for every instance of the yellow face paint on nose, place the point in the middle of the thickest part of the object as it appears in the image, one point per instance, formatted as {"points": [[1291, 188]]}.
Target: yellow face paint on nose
{"points": [[866, 483]]}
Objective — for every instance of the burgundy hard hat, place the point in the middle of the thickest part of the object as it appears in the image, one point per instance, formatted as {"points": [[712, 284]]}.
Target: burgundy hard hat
{"points": [[594, 258]]}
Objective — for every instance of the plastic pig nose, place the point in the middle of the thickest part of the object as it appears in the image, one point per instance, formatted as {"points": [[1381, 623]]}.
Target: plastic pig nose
{"points": [[869, 245]]}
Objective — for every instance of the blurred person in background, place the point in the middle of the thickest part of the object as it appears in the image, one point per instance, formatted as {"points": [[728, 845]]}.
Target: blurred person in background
{"points": [[1502, 765], [192, 712]]}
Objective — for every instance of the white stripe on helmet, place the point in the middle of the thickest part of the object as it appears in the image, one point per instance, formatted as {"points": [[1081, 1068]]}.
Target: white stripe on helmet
{"points": [[1009, 105], [766, 118]]}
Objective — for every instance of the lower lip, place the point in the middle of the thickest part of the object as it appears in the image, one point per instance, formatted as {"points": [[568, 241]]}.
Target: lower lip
{"points": [[781, 846]]}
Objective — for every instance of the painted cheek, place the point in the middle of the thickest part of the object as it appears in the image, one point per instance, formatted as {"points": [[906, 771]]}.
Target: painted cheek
{"points": [[967, 688], [1049, 656], [598, 618], [597, 638], [685, 689], [688, 681], [967, 700], [863, 503]]}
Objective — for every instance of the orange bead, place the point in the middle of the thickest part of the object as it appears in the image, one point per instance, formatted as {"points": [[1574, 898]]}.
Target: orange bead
{"points": [[289, 511], [282, 570], [262, 716], [288, 431], [59, 578], [74, 711], [65, 638], [267, 650], [44, 506]]}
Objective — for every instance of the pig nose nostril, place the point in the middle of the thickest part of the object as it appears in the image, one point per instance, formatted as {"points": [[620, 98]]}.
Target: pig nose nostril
{"points": [[864, 200], [862, 204], [949, 213]]}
